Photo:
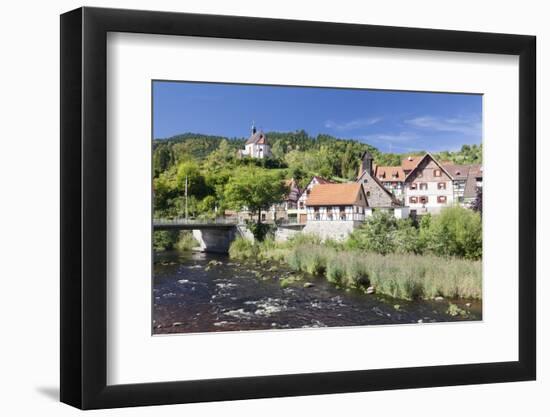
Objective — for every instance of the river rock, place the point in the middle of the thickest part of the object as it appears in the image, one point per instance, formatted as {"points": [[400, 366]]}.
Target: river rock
{"points": [[309, 285], [468, 305], [177, 324], [370, 290], [438, 298]]}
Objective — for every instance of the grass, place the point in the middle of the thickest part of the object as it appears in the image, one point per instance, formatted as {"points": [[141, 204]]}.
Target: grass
{"points": [[186, 242], [402, 276]]}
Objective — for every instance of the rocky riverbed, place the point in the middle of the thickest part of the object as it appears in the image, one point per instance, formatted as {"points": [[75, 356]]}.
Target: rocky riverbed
{"points": [[197, 292]]}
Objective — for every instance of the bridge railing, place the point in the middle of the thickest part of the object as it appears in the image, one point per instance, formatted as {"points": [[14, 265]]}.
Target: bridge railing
{"points": [[177, 221]]}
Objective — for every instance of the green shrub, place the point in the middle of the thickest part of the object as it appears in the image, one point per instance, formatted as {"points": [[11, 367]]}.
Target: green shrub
{"points": [[455, 232], [164, 239], [376, 234], [406, 238], [242, 248], [186, 241]]}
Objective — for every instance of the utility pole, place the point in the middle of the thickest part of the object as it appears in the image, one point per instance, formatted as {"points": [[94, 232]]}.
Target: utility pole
{"points": [[186, 209]]}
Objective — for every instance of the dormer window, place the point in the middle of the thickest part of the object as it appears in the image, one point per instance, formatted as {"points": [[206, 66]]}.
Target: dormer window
{"points": [[437, 173]]}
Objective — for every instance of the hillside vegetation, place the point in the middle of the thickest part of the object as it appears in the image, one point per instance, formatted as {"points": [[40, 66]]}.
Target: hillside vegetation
{"points": [[210, 164]]}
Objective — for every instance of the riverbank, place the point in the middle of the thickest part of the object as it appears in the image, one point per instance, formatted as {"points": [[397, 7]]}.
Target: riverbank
{"points": [[401, 276]]}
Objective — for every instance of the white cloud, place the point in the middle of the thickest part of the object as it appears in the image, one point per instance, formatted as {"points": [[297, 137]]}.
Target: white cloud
{"points": [[352, 124], [397, 137], [464, 125]]}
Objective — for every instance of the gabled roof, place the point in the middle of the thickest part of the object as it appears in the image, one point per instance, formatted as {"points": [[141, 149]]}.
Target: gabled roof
{"points": [[321, 180], [428, 155], [388, 173], [335, 194], [411, 162], [470, 189], [294, 190], [463, 172], [457, 172], [395, 201], [476, 170], [257, 138]]}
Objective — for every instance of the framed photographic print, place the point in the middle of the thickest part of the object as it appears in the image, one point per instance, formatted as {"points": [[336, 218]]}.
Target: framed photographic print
{"points": [[256, 208]]}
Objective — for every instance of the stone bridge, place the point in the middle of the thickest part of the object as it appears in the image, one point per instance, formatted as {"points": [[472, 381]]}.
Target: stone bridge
{"points": [[212, 235], [217, 235]]}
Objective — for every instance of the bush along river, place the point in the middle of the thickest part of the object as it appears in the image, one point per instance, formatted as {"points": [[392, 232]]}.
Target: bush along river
{"points": [[198, 292]]}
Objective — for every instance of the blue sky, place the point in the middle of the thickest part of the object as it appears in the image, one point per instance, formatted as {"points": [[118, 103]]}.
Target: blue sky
{"points": [[390, 120]]}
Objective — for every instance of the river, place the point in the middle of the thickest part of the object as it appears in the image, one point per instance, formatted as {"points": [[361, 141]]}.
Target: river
{"points": [[198, 292]]}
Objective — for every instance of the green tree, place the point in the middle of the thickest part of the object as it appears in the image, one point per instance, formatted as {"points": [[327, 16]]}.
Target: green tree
{"points": [[257, 190], [162, 159], [196, 184]]}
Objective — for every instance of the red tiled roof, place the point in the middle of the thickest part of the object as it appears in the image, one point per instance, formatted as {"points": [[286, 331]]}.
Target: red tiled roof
{"points": [[334, 194], [389, 173], [411, 162]]}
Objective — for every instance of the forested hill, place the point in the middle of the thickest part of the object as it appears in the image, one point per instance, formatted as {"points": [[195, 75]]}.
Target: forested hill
{"points": [[301, 153]]}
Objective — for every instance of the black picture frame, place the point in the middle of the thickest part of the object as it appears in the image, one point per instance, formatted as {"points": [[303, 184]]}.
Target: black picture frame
{"points": [[84, 207]]}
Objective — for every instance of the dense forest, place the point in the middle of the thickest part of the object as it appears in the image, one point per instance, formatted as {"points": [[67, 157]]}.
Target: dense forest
{"points": [[211, 166]]}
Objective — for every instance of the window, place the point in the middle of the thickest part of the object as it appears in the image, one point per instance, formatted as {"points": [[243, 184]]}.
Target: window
{"points": [[413, 186], [342, 213], [424, 200], [413, 200], [442, 199], [423, 186], [437, 173], [316, 214], [368, 193], [441, 186]]}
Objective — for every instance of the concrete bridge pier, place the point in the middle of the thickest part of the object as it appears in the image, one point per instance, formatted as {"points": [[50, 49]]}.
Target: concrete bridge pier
{"points": [[214, 240]]}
